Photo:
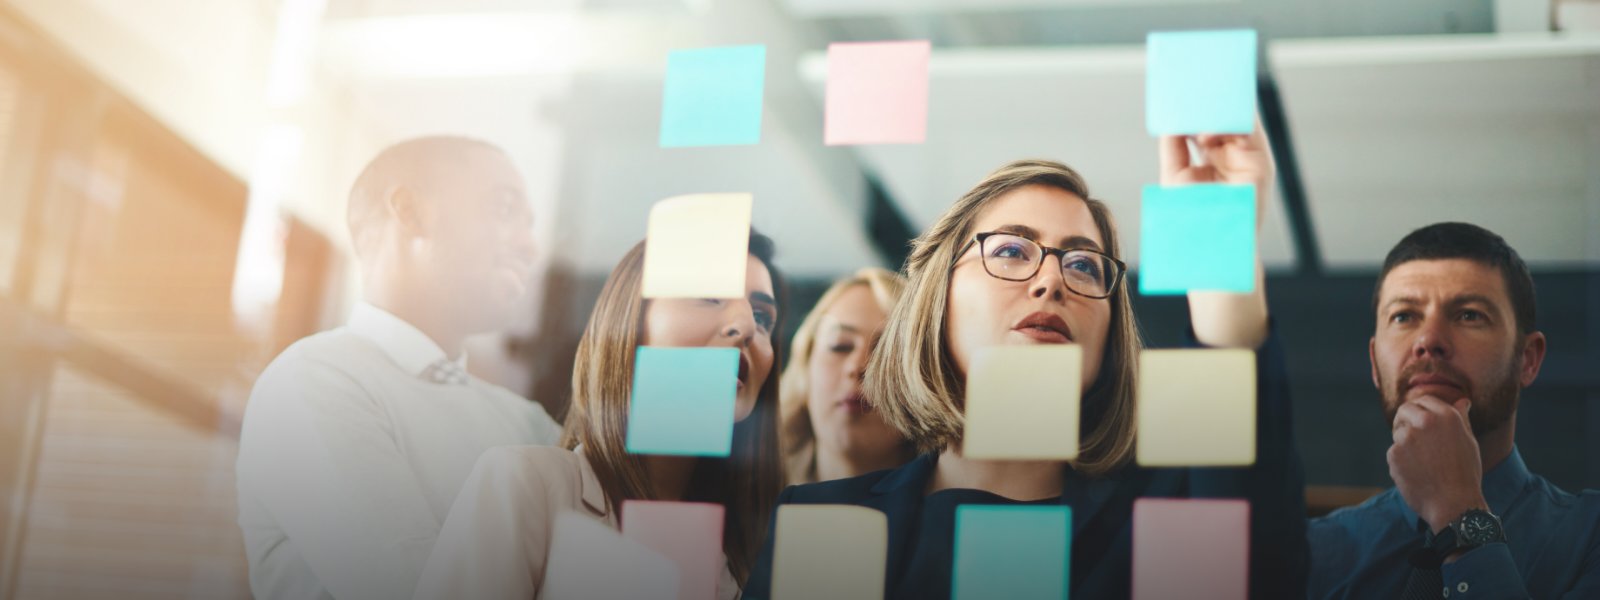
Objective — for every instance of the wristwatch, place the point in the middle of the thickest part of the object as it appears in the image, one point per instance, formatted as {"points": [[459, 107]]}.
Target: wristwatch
{"points": [[1472, 529]]}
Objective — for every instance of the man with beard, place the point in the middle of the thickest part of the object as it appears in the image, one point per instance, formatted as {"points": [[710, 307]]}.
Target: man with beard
{"points": [[1455, 343]]}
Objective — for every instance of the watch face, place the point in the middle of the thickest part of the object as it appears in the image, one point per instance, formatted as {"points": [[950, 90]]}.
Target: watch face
{"points": [[1479, 528]]}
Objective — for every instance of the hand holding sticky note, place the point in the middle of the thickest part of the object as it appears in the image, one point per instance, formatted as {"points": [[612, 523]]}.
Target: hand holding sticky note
{"points": [[1015, 552], [1022, 403], [683, 401], [1200, 82], [697, 246], [590, 560], [688, 533], [1197, 237], [713, 96], [829, 551], [1191, 549], [877, 93], [1197, 408]]}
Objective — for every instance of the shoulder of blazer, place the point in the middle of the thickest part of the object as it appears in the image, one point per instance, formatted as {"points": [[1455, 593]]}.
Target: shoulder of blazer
{"points": [[554, 468]]}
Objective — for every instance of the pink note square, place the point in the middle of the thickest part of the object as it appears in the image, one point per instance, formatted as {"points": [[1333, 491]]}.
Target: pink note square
{"points": [[688, 533], [877, 93], [1191, 549]]}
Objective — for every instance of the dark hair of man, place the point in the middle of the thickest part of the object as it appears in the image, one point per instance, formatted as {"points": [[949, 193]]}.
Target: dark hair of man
{"points": [[1442, 241]]}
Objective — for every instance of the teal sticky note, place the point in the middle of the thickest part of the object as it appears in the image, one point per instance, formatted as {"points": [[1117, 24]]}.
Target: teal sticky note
{"points": [[713, 96], [1197, 237], [683, 401], [1200, 82], [1014, 552]]}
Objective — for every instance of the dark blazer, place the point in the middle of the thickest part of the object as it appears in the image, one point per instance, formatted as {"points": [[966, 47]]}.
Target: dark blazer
{"points": [[1102, 508]]}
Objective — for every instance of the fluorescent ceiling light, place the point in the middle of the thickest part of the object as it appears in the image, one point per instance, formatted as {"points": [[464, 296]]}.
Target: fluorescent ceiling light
{"points": [[460, 45]]}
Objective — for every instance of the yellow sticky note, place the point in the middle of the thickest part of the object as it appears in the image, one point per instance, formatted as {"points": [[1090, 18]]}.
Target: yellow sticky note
{"points": [[1022, 403], [829, 551], [697, 246], [1197, 408]]}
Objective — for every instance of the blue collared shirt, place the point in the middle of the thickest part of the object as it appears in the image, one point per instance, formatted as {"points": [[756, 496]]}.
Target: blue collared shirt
{"points": [[1552, 547]]}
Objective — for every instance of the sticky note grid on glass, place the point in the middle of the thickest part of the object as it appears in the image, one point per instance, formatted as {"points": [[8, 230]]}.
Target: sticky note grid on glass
{"points": [[1191, 549], [1196, 408], [829, 551], [1022, 403], [697, 246], [1200, 82], [683, 401], [1015, 552], [1197, 237], [877, 93], [713, 96]]}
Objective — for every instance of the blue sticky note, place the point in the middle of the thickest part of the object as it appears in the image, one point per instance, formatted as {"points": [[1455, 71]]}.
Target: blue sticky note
{"points": [[1197, 237], [683, 401], [713, 96], [1200, 82], [1014, 552]]}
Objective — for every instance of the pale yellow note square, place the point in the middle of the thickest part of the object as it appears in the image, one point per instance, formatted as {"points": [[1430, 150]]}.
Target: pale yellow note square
{"points": [[1022, 403], [697, 246], [1197, 408], [829, 551]]}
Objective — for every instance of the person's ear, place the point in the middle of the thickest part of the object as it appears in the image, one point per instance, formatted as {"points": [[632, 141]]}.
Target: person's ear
{"points": [[1372, 358], [406, 212], [1532, 351]]}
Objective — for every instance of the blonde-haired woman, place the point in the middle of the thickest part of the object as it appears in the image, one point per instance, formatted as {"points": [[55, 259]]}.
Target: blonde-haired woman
{"points": [[496, 541], [1029, 257], [828, 430]]}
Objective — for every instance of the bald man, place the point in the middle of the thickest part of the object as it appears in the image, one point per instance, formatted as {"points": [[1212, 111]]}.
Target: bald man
{"points": [[356, 440]]}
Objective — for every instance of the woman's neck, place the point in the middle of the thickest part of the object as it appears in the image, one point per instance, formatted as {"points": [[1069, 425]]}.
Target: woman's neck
{"points": [[836, 463], [670, 475], [1017, 480]]}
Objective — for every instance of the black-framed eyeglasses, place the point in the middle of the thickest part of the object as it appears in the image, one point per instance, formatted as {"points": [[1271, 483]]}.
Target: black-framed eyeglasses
{"points": [[1012, 257]]}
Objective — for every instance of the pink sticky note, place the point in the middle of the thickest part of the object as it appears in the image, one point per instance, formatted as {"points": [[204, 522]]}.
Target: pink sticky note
{"points": [[1191, 549], [877, 93], [688, 533]]}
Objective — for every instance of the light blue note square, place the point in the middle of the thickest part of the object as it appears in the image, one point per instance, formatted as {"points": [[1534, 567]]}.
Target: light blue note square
{"points": [[683, 401], [1013, 552], [713, 96], [1200, 82], [1197, 237]]}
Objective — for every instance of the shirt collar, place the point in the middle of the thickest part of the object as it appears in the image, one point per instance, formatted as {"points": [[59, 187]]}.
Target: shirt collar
{"points": [[406, 345], [1501, 486], [593, 495]]}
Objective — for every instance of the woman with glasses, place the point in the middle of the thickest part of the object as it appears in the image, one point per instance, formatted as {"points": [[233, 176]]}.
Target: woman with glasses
{"points": [[828, 429], [1028, 256], [495, 543]]}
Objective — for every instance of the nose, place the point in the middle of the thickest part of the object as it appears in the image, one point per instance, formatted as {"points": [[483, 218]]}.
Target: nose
{"points": [[1049, 283], [739, 325], [522, 237], [856, 365], [1433, 338]]}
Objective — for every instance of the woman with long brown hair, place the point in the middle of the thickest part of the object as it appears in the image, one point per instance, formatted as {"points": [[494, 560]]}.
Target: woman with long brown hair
{"points": [[496, 541], [1028, 257]]}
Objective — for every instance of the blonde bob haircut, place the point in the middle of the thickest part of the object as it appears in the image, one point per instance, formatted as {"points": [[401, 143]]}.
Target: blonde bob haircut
{"points": [[796, 437], [912, 379]]}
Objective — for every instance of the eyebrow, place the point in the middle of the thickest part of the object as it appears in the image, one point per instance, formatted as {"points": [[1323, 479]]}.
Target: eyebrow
{"points": [[1459, 300], [764, 298], [842, 326], [1070, 242]]}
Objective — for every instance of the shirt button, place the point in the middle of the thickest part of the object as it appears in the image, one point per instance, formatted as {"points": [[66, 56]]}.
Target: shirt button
{"points": [[1447, 591], [1462, 587]]}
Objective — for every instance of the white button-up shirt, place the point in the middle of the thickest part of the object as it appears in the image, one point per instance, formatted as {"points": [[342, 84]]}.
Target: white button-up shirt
{"points": [[349, 460]]}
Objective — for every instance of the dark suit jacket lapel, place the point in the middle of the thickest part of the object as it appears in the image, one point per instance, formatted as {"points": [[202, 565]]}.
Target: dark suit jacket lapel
{"points": [[899, 496]]}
